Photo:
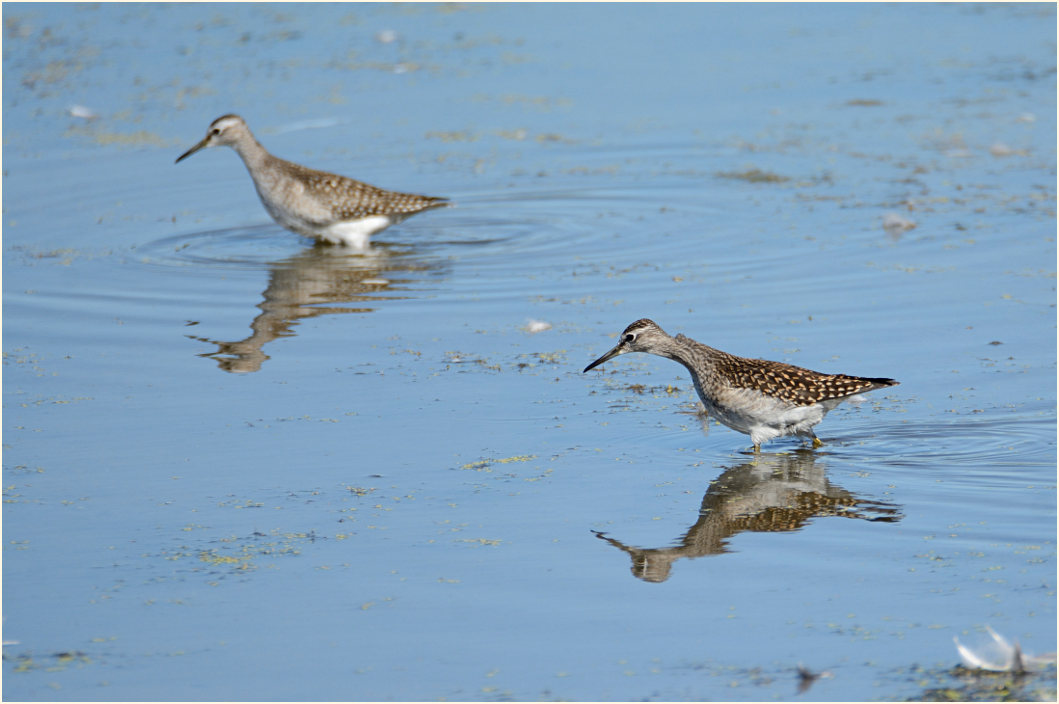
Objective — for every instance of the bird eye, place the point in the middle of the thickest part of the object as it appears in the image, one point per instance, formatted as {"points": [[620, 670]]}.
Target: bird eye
{"points": [[630, 337], [215, 131]]}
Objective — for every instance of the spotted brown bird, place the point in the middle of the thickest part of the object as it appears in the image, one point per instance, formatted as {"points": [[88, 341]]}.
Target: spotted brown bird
{"points": [[763, 399], [317, 204]]}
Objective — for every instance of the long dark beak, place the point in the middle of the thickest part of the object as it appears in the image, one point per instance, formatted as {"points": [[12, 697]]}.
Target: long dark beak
{"points": [[191, 151], [618, 349]]}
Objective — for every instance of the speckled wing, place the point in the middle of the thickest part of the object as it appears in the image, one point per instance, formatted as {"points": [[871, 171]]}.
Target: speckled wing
{"points": [[787, 382], [802, 387], [351, 200]]}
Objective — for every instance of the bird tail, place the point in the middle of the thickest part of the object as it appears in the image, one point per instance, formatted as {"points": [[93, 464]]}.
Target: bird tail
{"points": [[879, 382]]}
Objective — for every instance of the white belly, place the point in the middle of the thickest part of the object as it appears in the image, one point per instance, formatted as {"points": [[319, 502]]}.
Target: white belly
{"points": [[355, 233], [763, 417]]}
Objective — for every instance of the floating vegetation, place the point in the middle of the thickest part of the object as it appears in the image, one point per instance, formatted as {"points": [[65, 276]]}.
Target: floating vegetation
{"points": [[139, 138], [480, 541], [641, 389], [536, 359], [238, 555], [483, 465], [451, 136], [54, 662], [753, 176], [460, 358], [982, 686]]}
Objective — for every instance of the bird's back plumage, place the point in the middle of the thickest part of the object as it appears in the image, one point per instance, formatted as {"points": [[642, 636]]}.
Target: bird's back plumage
{"points": [[349, 199], [783, 381]]}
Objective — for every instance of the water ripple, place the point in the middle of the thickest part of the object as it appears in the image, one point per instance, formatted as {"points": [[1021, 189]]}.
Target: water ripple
{"points": [[982, 443], [246, 247]]}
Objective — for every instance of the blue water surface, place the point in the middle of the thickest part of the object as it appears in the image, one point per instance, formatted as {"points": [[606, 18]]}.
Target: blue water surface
{"points": [[241, 467]]}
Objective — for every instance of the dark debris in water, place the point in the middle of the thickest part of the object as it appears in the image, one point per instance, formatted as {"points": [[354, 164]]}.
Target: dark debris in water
{"points": [[806, 678]]}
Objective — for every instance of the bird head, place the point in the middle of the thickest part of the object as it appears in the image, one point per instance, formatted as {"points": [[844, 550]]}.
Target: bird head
{"points": [[641, 336], [225, 131]]}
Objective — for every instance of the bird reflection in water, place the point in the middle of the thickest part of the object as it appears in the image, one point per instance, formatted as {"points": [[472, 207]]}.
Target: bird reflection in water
{"points": [[770, 494], [318, 281]]}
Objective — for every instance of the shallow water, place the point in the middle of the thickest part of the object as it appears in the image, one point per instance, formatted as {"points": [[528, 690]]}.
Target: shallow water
{"points": [[241, 467]]}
